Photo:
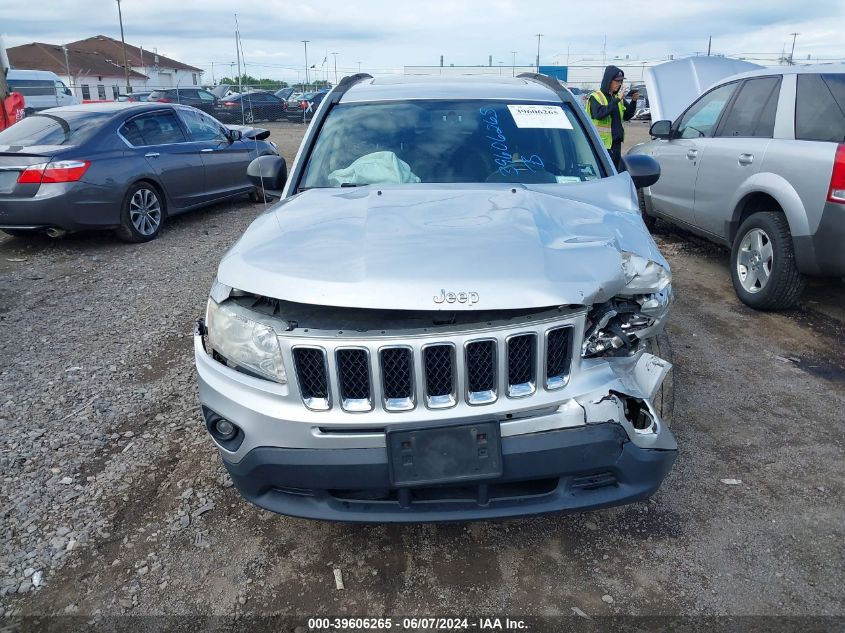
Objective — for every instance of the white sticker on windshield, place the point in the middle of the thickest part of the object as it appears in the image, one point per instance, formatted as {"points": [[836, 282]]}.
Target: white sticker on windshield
{"points": [[543, 116]]}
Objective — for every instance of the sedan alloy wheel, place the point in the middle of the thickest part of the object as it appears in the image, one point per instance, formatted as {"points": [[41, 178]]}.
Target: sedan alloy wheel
{"points": [[145, 211]]}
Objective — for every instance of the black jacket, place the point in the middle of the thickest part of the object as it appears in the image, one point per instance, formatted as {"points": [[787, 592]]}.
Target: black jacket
{"points": [[598, 111]]}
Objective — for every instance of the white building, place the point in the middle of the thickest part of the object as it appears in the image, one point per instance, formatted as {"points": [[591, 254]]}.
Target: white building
{"points": [[160, 71]]}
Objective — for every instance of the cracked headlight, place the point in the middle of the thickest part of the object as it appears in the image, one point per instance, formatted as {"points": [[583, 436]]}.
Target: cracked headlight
{"points": [[248, 345], [616, 327]]}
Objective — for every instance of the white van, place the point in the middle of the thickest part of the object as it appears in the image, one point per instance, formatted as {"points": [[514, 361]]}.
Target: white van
{"points": [[41, 89]]}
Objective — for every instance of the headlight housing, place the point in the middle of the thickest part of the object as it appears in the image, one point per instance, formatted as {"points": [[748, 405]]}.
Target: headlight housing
{"points": [[616, 327], [243, 342]]}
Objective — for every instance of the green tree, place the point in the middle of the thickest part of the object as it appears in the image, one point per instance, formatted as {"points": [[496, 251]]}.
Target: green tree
{"points": [[249, 80]]}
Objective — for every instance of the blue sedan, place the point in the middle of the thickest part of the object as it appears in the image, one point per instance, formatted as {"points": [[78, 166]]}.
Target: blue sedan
{"points": [[121, 166]]}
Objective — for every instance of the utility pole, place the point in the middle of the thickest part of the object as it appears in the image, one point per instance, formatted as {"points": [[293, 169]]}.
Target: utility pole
{"points": [[709, 43], [123, 42], [513, 66], [67, 68], [539, 35], [4, 87], [213, 83], [335, 68], [359, 67], [791, 55], [500, 68], [238, 57], [306, 60]]}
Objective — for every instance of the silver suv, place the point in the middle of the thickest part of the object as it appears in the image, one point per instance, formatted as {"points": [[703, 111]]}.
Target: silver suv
{"points": [[758, 163], [454, 313]]}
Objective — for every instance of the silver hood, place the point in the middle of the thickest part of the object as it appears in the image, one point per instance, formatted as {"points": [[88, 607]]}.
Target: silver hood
{"points": [[400, 246]]}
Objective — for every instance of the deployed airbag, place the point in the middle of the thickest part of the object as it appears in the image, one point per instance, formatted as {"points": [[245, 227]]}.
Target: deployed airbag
{"points": [[372, 169]]}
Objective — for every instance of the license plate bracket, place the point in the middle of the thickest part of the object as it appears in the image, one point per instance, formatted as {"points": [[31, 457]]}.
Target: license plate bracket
{"points": [[8, 180], [427, 455]]}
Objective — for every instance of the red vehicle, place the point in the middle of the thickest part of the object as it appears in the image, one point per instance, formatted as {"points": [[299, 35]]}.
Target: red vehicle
{"points": [[12, 110]]}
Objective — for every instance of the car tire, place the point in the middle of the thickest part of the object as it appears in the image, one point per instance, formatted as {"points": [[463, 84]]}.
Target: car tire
{"points": [[249, 117], [649, 221], [255, 195], [664, 399], [763, 269], [142, 213]]}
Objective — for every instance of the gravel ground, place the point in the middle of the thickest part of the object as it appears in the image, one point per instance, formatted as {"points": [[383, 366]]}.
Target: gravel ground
{"points": [[114, 501]]}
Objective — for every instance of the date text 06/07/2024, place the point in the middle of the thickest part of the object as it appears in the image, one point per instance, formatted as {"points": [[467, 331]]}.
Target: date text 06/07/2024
{"points": [[415, 624]]}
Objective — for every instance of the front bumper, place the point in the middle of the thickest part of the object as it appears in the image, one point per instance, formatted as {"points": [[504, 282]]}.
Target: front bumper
{"points": [[574, 452], [566, 470]]}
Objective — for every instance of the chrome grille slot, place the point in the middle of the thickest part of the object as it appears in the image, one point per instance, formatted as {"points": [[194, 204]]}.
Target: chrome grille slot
{"points": [[353, 372], [558, 356], [481, 371], [521, 361], [397, 378], [394, 371], [312, 377], [439, 368]]}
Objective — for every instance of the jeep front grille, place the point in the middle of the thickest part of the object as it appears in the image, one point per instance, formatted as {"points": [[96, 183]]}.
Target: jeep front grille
{"points": [[312, 375], [522, 365], [474, 368], [438, 363], [353, 372], [558, 357], [397, 378], [481, 371]]}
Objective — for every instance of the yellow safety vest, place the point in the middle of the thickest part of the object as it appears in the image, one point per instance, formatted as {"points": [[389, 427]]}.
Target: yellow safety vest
{"points": [[603, 125]]}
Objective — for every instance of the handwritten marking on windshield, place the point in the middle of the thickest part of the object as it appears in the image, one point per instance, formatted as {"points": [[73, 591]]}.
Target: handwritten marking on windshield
{"points": [[509, 164]]}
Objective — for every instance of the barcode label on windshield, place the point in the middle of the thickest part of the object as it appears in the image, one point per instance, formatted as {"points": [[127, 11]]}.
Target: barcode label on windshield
{"points": [[542, 116]]}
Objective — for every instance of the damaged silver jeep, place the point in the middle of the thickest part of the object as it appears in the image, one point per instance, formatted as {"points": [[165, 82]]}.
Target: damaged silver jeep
{"points": [[454, 313]]}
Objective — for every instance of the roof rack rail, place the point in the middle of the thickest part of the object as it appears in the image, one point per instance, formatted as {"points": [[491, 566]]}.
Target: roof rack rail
{"points": [[549, 82], [346, 83]]}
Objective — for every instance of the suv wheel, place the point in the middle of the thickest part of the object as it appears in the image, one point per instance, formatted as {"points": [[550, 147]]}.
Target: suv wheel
{"points": [[763, 267], [649, 221], [142, 214], [249, 117]]}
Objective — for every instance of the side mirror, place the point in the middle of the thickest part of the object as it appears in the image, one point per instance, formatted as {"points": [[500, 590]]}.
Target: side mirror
{"points": [[661, 129], [644, 170], [235, 135], [268, 172]]}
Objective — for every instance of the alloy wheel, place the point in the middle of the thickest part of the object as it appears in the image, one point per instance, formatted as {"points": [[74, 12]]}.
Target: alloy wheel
{"points": [[754, 261], [145, 211]]}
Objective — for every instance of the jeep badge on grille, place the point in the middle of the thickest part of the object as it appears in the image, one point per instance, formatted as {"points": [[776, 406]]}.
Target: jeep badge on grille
{"points": [[456, 297]]}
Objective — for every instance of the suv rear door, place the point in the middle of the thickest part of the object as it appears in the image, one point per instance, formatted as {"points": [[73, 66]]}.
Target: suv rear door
{"points": [[735, 152]]}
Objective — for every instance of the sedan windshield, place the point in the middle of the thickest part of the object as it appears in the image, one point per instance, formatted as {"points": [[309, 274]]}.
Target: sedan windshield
{"points": [[62, 128], [450, 142]]}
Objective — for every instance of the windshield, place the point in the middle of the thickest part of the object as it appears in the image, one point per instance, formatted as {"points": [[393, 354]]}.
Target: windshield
{"points": [[62, 128], [450, 142]]}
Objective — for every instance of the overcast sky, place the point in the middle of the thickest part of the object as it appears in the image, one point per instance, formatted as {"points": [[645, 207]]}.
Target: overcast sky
{"points": [[386, 35]]}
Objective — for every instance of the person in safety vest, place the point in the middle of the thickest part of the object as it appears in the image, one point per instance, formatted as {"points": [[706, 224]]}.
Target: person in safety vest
{"points": [[607, 108]]}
